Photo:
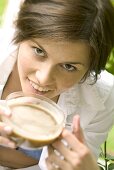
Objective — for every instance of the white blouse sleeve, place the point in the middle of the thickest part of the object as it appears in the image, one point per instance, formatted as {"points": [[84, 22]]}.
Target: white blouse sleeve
{"points": [[97, 130], [95, 105]]}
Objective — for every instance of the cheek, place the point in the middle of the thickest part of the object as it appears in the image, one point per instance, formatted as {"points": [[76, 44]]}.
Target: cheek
{"points": [[22, 65], [66, 83], [69, 81]]}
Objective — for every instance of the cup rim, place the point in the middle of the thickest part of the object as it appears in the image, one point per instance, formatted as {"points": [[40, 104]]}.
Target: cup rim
{"points": [[19, 94]]}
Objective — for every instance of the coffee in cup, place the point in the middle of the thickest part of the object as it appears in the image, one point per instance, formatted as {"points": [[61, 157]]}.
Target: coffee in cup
{"points": [[34, 118]]}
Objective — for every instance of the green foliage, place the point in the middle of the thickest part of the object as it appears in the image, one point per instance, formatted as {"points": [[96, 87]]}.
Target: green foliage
{"points": [[110, 63], [106, 159], [3, 4], [112, 2], [110, 141]]}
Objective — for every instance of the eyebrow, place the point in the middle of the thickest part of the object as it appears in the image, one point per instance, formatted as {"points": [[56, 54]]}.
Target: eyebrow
{"points": [[68, 62], [77, 63]]}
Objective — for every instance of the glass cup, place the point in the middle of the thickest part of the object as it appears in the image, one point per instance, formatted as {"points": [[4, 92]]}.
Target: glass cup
{"points": [[36, 121]]}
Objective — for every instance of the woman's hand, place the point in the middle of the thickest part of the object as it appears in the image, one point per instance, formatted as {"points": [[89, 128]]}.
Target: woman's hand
{"points": [[70, 152], [5, 130], [9, 156]]}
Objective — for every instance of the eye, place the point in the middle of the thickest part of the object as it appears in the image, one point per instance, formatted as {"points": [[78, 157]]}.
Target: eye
{"points": [[69, 67], [39, 51]]}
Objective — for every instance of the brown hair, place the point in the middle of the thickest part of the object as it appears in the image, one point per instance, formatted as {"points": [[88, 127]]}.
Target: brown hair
{"points": [[72, 20]]}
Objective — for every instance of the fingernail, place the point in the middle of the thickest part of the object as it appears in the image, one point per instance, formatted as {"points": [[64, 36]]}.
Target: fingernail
{"points": [[8, 129], [7, 112]]}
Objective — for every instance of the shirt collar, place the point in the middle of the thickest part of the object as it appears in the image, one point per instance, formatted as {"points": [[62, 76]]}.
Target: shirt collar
{"points": [[85, 96]]}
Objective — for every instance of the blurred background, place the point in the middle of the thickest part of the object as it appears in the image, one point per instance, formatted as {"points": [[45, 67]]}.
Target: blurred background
{"points": [[8, 13]]}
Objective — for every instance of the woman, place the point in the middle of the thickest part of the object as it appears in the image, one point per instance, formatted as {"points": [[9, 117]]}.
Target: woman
{"points": [[62, 47]]}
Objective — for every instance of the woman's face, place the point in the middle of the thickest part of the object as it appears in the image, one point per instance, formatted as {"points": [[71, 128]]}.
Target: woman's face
{"points": [[49, 68]]}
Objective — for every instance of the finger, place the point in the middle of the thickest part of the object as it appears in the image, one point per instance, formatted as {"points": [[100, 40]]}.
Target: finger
{"points": [[55, 162], [6, 142], [53, 153], [5, 129], [72, 141], [72, 159], [77, 131], [5, 111], [65, 152], [51, 166], [50, 150]]}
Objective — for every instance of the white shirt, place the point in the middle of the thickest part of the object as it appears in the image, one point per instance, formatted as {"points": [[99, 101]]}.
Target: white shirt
{"points": [[94, 104]]}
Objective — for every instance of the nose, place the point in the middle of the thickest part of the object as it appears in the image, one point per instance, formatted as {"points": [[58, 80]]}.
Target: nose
{"points": [[45, 76]]}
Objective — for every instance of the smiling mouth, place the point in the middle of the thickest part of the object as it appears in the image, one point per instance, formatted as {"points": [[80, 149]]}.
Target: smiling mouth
{"points": [[39, 88]]}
